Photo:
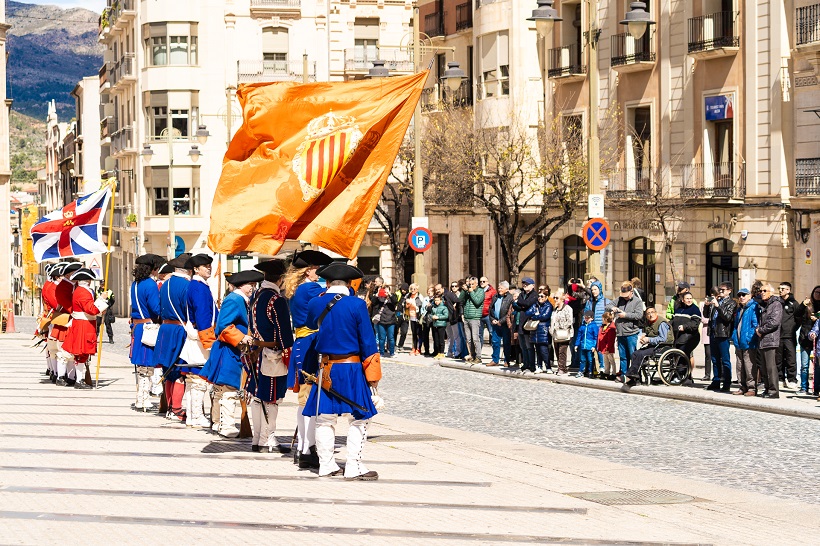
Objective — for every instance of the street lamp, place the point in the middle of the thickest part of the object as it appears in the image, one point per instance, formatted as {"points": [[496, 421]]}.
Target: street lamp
{"points": [[147, 154], [378, 70], [454, 75], [637, 20], [544, 16]]}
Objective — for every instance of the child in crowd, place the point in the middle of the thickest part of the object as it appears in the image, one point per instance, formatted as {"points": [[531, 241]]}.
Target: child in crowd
{"points": [[606, 345], [440, 315], [586, 342]]}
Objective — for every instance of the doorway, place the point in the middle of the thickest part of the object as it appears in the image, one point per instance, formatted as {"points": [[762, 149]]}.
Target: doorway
{"points": [[721, 263]]}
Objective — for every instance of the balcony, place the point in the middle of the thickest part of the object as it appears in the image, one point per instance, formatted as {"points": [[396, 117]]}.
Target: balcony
{"points": [[631, 55], [122, 141], [121, 12], [108, 126], [464, 16], [807, 177], [726, 180], [807, 28], [276, 8], [359, 60], [565, 63], [433, 25], [252, 71], [630, 184], [123, 72], [714, 35]]}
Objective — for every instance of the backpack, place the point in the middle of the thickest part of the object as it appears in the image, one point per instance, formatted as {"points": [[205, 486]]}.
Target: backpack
{"points": [[452, 318]]}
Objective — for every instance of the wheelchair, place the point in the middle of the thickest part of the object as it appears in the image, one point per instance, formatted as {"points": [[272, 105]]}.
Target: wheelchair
{"points": [[664, 363]]}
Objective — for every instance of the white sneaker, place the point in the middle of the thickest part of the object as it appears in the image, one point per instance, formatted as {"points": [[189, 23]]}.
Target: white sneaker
{"points": [[199, 422]]}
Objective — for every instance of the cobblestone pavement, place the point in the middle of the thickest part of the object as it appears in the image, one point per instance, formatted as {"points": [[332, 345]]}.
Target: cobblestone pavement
{"points": [[82, 464]]}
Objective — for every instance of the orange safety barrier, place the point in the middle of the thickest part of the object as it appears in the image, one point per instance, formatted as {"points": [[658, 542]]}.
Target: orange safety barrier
{"points": [[7, 314]]}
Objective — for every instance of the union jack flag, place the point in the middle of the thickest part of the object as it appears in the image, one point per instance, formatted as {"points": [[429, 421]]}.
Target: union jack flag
{"points": [[74, 230]]}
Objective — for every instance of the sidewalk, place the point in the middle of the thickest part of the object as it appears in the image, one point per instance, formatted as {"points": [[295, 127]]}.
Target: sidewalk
{"points": [[81, 463]]}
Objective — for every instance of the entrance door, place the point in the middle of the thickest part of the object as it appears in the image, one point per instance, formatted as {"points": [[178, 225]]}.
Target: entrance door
{"points": [[575, 258], [721, 263], [642, 265]]}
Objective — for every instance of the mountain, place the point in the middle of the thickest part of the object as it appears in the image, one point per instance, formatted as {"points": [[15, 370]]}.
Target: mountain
{"points": [[50, 50], [28, 154]]}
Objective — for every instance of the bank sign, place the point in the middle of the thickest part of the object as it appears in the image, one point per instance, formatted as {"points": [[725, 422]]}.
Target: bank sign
{"points": [[719, 108]]}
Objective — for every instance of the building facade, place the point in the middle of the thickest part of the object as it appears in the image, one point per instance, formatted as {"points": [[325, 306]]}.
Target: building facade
{"points": [[5, 168]]}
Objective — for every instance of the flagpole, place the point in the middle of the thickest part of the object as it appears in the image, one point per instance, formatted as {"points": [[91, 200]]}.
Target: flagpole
{"points": [[112, 183]]}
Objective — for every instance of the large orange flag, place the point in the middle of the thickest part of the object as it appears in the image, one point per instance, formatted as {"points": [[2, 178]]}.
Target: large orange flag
{"points": [[310, 163]]}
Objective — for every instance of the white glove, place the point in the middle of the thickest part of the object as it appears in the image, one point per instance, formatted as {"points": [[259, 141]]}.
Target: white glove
{"points": [[378, 401], [101, 304]]}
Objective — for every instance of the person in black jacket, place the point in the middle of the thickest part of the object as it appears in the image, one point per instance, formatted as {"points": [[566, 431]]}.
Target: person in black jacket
{"points": [[786, 354], [501, 321], [526, 299], [720, 331]]}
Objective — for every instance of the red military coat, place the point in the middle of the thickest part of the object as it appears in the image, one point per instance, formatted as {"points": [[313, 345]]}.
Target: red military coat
{"points": [[49, 296], [81, 338], [64, 292]]}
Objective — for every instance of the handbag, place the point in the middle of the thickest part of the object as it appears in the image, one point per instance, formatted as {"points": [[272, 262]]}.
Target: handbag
{"points": [[561, 334], [150, 331], [531, 325]]}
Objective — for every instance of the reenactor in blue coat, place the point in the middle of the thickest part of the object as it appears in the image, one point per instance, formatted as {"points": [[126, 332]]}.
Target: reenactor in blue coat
{"points": [[224, 366], [145, 310], [301, 286], [350, 366], [267, 370], [202, 314], [173, 302]]}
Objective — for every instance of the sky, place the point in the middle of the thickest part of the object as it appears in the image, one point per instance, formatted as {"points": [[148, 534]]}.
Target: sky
{"points": [[93, 5]]}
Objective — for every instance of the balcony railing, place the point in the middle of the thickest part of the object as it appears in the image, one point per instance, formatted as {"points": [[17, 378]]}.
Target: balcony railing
{"points": [[272, 4], [124, 69], [250, 71], [630, 184], [715, 31], [464, 16], [565, 61], [119, 8], [807, 177], [433, 25], [122, 141], [108, 126], [628, 50], [808, 24], [360, 59], [725, 180]]}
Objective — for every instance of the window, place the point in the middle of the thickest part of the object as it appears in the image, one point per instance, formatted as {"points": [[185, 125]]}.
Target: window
{"points": [[159, 120], [475, 255], [642, 266], [639, 148], [179, 121], [171, 43], [442, 242], [177, 110], [275, 48], [494, 69], [186, 190], [366, 39]]}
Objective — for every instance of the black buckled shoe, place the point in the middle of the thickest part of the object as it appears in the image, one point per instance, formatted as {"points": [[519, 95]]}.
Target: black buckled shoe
{"points": [[255, 448], [309, 460]]}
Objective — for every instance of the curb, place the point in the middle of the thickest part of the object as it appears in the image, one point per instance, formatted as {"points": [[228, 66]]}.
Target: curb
{"points": [[684, 394]]}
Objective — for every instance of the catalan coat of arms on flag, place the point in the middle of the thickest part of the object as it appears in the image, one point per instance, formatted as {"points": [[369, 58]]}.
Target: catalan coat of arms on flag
{"points": [[329, 143], [74, 230]]}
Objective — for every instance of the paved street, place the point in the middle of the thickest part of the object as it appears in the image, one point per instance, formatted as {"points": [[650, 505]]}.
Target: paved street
{"points": [[499, 461]]}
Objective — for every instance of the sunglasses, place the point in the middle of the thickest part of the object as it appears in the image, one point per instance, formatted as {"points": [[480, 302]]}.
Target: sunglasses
{"points": [[765, 291], [483, 282]]}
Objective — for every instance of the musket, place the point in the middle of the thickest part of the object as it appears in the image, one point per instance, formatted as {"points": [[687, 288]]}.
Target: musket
{"points": [[312, 378], [247, 354]]}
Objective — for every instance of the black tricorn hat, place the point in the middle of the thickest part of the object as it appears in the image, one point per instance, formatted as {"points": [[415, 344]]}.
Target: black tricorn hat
{"points": [[198, 260], [339, 272], [84, 274], [272, 269], [70, 268], [153, 260], [181, 261], [244, 277], [165, 268], [308, 258]]}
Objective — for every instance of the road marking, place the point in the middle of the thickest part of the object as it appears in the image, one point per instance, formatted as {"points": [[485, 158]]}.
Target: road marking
{"points": [[477, 395]]}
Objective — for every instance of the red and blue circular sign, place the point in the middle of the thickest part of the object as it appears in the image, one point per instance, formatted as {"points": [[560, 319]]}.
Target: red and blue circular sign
{"points": [[596, 233], [420, 239]]}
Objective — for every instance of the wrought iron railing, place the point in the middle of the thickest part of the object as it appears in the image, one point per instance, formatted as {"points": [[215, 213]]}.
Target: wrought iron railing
{"points": [[628, 50], [565, 61], [724, 180], [807, 176], [630, 184], [807, 24], [464, 16], [713, 31], [433, 25], [276, 3]]}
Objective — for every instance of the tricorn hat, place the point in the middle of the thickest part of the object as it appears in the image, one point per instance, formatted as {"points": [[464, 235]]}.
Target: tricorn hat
{"points": [[70, 268], [198, 260], [181, 261], [272, 268], [84, 274], [153, 260], [309, 258], [165, 269], [340, 272], [245, 277]]}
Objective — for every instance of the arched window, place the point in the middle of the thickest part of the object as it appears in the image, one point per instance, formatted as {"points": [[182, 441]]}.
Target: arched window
{"points": [[721, 263], [642, 265], [575, 258]]}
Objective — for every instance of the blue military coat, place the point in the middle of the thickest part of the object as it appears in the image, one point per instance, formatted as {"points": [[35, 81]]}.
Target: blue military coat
{"points": [[202, 310], [345, 330], [304, 355], [144, 305], [224, 365], [270, 322], [173, 306]]}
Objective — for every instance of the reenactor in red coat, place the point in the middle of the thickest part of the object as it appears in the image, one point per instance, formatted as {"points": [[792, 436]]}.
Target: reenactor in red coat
{"points": [[81, 338], [66, 371], [48, 294]]}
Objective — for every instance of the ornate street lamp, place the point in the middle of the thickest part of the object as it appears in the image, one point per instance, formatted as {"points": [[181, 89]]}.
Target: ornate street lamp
{"points": [[637, 20], [544, 16]]}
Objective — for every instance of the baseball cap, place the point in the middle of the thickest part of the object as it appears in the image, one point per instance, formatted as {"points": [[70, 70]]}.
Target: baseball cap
{"points": [[589, 314], [528, 280], [683, 286], [743, 291]]}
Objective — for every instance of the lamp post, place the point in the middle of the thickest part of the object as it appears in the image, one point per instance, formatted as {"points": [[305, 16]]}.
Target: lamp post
{"points": [[147, 153], [637, 20]]}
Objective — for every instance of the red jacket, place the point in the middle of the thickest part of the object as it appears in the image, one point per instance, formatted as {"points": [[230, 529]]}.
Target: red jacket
{"points": [[81, 338], [63, 292], [606, 339], [489, 292]]}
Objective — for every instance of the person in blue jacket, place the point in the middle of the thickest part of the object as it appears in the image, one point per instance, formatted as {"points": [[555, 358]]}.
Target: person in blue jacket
{"points": [[747, 319], [586, 341], [351, 364], [173, 302], [202, 315], [597, 303], [302, 284], [272, 335], [541, 310], [144, 310], [224, 366]]}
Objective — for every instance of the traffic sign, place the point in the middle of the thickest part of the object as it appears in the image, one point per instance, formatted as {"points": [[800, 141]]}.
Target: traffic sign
{"points": [[420, 239], [596, 233]]}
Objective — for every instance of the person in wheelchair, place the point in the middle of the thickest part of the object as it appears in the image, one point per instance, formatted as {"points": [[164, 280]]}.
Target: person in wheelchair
{"points": [[657, 335]]}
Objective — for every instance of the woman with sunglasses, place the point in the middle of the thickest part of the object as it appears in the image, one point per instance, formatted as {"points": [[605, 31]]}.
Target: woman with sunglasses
{"points": [[542, 312]]}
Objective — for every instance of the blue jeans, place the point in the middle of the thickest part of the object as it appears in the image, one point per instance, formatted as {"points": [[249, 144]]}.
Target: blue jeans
{"points": [[527, 347], [500, 336], [485, 325], [386, 332], [626, 346], [721, 365], [586, 361], [464, 352], [804, 368]]}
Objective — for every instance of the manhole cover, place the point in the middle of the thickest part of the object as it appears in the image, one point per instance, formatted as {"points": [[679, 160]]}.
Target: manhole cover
{"points": [[639, 496], [405, 438]]}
